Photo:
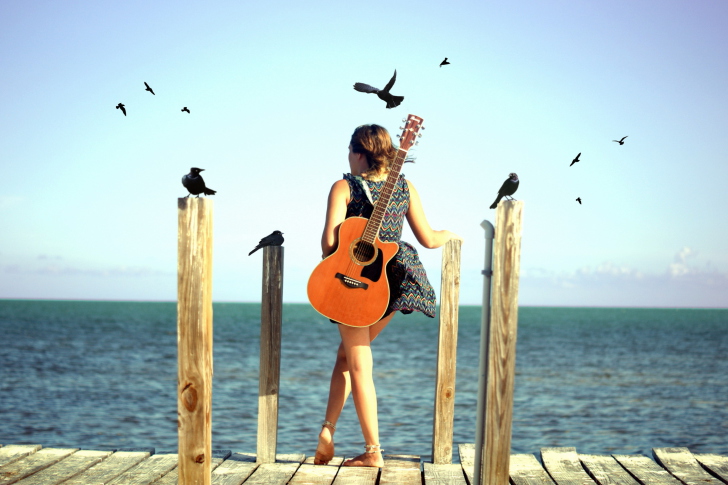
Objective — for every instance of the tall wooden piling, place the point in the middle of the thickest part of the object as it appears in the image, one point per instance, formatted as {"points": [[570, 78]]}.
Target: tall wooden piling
{"points": [[501, 348], [442, 432], [194, 339], [270, 353]]}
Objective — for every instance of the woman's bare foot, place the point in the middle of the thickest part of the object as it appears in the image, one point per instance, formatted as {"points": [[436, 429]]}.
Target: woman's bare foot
{"points": [[367, 459], [325, 448]]}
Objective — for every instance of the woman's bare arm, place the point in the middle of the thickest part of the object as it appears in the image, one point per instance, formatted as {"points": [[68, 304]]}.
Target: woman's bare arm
{"points": [[335, 215], [426, 236]]}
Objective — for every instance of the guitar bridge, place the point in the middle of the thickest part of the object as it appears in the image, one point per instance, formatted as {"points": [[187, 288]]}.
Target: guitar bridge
{"points": [[351, 282]]}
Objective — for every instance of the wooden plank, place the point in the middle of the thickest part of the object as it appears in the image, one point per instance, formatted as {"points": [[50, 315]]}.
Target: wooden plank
{"points": [[148, 471], [494, 456], [444, 413], [646, 471], [564, 466], [271, 309], [467, 459], [310, 474], [11, 453], [273, 473], [63, 470], [681, 463], [606, 470], [715, 464], [172, 477], [235, 470], [356, 475], [443, 474], [526, 470], [194, 339], [401, 469], [109, 469], [27, 466]]}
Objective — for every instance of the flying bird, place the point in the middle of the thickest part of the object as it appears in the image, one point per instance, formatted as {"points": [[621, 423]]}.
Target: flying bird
{"points": [[121, 107], [383, 94], [578, 199], [194, 184], [275, 238], [576, 159], [444, 63], [621, 142], [148, 88], [185, 109], [508, 188]]}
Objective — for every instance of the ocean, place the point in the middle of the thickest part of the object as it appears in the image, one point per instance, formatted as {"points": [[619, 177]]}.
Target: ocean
{"points": [[102, 375]]}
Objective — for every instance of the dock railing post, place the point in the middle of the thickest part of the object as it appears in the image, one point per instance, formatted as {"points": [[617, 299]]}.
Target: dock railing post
{"points": [[498, 348], [442, 423], [194, 339], [270, 353]]}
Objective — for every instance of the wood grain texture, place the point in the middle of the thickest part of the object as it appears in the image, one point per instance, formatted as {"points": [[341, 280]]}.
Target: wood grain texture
{"points": [[148, 471], [715, 464], [646, 471], [682, 464], [564, 466], [605, 470], [354, 475], [74, 464], [310, 474], [109, 469], [501, 353], [33, 463], [270, 353], [194, 339], [466, 452], [526, 470], [444, 413], [401, 469], [234, 470], [443, 474], [273, 473], [11, 453]]}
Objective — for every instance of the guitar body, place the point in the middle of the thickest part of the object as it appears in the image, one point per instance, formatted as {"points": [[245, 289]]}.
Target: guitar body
{"points": [[350, 286]]}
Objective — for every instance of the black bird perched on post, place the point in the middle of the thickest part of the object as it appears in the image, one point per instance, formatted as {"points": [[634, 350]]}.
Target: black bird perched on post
{"points": [[621, 142], [121, 107], [508, 188], [384, 94], [185, 109], [148, 88], [578, 199], [576, 159], [444, 63], [275, 238], [194, 184]]}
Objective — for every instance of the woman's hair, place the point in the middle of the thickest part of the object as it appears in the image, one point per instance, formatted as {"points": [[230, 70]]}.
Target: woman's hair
{"points": [[374, 142]]}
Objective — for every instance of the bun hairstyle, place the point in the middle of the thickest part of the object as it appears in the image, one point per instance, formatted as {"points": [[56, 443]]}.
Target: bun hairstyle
{"points": [[374, 142]]}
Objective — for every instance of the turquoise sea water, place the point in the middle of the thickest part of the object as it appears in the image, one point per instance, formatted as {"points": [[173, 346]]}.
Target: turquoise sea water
{"points": [[103, 375]]}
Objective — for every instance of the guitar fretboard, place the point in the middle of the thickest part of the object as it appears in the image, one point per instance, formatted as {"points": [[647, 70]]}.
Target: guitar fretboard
{"points": [[385, 195]]}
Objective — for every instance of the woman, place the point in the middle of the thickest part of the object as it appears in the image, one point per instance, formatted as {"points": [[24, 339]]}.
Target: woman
{"points": [[370, 154]]}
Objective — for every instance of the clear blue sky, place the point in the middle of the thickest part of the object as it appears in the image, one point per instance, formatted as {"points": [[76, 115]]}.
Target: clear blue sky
{"points": [[88, 207]]}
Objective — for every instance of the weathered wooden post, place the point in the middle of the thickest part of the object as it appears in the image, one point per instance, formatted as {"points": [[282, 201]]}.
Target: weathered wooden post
{"points": [[270, 353], [493, 448], [442, 425], [194, 339]]}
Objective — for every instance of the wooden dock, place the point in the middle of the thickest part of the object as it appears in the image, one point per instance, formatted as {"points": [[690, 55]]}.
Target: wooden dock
{"points": [[35, 465]]}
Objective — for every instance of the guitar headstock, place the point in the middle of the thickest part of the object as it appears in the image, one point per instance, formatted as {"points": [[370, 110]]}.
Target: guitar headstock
{"points": [[411, 130]]}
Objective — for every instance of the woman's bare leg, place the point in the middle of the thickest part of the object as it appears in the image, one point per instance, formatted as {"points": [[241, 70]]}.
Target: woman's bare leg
{"points": [[357, 347], [339, 391]]}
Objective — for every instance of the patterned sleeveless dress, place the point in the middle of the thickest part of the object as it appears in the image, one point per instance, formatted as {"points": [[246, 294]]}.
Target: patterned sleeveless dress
{"points": [[410, 290]]}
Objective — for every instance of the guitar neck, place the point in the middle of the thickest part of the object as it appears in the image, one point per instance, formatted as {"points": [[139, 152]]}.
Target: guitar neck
{"points": [[385, 195]]}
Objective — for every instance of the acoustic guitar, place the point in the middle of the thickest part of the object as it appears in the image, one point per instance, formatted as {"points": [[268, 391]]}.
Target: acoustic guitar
{"points": [[350, 285]]}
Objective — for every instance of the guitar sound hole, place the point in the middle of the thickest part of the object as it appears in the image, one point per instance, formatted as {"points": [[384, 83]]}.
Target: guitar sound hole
{"points": [[363, 252]]}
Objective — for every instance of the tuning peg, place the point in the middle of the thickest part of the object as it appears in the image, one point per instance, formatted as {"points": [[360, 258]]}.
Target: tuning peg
{"points": [[419, 135], [401, 127], [404, 120], [417, 143]]}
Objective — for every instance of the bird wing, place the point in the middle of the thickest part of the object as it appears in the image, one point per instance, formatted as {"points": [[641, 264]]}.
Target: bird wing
{"points": [[391, 82], [147, 85], [365, 88], [577, 157], [623, 138]]}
